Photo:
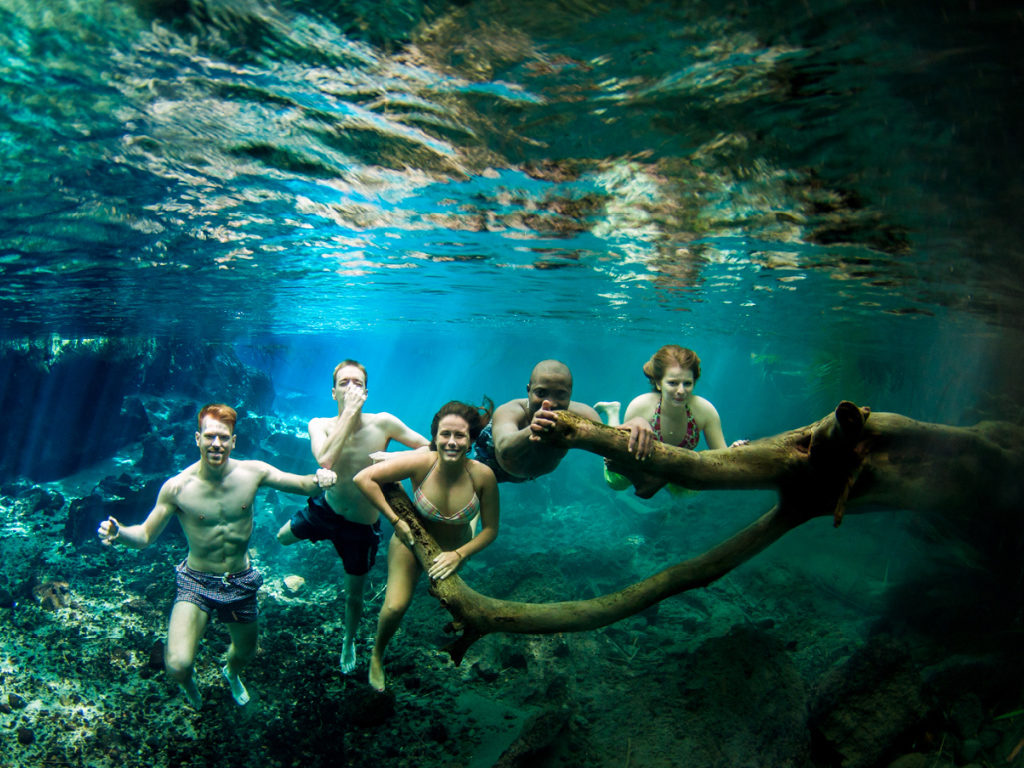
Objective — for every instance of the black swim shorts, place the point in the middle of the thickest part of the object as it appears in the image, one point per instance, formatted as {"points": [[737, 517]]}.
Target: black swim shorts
{"points": [[485, 454], [356, 543], [231, 595]]}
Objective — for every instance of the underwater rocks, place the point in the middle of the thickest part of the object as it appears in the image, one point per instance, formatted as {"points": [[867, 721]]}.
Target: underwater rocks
{"points": [[287, 451], [868, 706], [743, 703], [536, 735], [208, 374], [50, 435], [881, 707], [52, 594], [155, 661], [366, 708], [39, 501], [157, 454], [122, 497]]}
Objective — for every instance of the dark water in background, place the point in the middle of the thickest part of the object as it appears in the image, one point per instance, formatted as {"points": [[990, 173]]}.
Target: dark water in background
{"points": [[820, 197]]}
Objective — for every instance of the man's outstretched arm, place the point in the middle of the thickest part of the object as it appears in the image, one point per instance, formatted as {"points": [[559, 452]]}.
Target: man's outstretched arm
{"points": [[145, 533]]}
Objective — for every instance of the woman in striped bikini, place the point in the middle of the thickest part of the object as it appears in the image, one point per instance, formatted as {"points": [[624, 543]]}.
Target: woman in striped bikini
{"points": [[449, 492]]}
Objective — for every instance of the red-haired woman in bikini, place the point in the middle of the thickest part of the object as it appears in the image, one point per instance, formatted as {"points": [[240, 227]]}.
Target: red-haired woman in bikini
{"points": [[670, 413]]}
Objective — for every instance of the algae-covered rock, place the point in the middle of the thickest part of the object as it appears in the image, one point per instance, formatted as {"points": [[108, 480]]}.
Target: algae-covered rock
{"points": [[107, 413], [865, 708]]}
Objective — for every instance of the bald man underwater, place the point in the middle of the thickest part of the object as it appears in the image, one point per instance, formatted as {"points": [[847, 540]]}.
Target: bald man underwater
{"points": [[510, 445]]}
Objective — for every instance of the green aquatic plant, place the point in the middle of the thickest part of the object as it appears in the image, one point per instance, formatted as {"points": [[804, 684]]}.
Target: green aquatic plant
{"points": [[1009, 715]]}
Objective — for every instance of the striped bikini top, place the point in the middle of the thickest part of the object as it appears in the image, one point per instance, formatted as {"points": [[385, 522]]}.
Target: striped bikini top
{"points": [[430, 512], [692, 432]]}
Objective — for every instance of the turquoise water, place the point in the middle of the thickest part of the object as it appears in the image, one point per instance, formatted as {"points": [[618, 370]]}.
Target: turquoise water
{"points": [[778, 181], [819, 197], [644, 167]]}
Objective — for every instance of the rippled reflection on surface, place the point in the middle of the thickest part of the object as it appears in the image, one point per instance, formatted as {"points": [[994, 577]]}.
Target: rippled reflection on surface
{"points": [[284, 165]]}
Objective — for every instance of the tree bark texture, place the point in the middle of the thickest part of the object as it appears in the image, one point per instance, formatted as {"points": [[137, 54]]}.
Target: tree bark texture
{"points": [[852, 456]]}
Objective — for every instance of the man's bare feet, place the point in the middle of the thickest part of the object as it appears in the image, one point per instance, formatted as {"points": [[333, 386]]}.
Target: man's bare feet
{"points": [[192, 696], [609, 410], [238, 692], [377, 680], [348, 656]]}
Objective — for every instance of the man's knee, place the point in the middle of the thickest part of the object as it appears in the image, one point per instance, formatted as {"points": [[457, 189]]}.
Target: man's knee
{"points": [[355, 586], [178, 664], [187, 625], [244, 641], [244, 651], [354, 599], [285, 535]]}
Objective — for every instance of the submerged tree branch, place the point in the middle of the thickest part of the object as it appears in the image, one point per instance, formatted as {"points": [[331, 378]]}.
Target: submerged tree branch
{"points": [[883, 458], [850, 456]]}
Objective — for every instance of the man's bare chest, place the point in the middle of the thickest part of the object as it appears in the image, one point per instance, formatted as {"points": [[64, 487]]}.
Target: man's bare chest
{"points": [[210, 505], [357, 449]]}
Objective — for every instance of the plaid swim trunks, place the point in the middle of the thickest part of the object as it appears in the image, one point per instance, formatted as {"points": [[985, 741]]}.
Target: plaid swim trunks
{"points": [[231, 595]]}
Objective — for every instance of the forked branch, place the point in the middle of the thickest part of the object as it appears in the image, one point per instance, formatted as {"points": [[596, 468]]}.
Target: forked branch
{"points": [[850, 456]]}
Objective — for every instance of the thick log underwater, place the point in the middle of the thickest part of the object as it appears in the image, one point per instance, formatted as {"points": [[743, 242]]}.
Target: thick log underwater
{"points": [[851, 456]]}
